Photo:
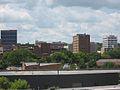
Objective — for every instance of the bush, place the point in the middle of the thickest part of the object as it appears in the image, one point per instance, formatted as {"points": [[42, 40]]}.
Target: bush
{"points": [[20, 84], [4, 83], [17, 84]]}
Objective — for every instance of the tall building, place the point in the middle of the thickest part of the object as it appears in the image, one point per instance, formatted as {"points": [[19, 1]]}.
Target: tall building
{"points": [[8, 39], [81, 42], [109, 42]]}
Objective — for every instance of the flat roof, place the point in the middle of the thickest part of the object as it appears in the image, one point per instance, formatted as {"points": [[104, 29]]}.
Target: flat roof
{"points": [[8, 73]]}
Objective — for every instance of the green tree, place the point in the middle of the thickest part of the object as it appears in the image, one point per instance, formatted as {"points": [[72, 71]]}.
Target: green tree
{"points": [[4, 83], [113, 54], [19, 84], [15, 57], [59, 57], [93, 57], [3, 65], [80, 59]]}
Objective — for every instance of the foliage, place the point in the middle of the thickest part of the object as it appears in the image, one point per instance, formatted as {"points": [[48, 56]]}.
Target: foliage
{"points": [[113, 54], [19, 84], [4, 83], [2, 65], [63, 57], [93, 58], [73, 66], [81, 60], [17, 56]]}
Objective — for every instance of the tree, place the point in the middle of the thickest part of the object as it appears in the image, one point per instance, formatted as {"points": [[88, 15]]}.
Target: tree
{"points": [[80, 59], [112, 54], [93, 57], [4, 83], [15, 57], [59, 57], [19, 84], [3, 65]]}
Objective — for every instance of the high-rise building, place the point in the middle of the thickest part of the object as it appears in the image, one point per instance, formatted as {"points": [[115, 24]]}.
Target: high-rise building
{"points": [[109, 42], [81, 42], [8, 39]]}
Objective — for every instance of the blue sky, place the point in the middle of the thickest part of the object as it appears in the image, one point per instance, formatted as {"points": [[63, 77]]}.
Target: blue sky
{"points": [[59, 20]]}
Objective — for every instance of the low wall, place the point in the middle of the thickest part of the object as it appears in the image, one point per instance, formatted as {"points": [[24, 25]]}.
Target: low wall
{"points": [[68, 81]]}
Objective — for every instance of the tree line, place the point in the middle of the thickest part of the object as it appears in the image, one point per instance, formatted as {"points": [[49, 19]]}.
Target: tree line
{"points": [[80, 60]]}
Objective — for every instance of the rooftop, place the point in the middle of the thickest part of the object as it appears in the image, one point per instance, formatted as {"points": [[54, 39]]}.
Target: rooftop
{"points": [[8, 73]]}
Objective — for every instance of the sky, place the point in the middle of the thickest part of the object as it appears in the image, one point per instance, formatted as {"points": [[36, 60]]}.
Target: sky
{"points": [[60, 20]]}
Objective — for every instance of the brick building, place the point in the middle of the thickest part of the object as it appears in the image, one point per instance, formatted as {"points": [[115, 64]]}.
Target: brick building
{"points": [[81, 42]]}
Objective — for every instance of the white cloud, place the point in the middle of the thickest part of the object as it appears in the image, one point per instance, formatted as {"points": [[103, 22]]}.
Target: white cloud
{"points": [[8, 14], [38, 20]]}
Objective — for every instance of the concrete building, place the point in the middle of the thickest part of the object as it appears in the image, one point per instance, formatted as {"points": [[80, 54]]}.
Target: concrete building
{"points": [[42, 48], [81, 42], [8, 39], [93, 47], [109, 42]]}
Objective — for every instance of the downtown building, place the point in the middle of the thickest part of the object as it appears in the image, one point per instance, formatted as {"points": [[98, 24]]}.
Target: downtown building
{"points": [[109, 43], [57, 46], [81, 43], [41, 48], [8, 39]]}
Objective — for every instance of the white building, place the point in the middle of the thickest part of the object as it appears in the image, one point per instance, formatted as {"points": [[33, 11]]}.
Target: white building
{"points": [[109, 42]]}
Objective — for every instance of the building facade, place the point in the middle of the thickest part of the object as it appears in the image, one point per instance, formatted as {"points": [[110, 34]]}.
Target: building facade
{"points": [[42, 48], [109, 43], [81, 42], [8, 39]]}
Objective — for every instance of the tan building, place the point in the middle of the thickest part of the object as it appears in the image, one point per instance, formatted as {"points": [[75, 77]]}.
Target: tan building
{"points": [[81, 42]]}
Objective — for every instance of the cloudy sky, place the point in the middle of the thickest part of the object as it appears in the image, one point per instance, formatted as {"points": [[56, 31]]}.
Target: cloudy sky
{"points": [[59, 20]]}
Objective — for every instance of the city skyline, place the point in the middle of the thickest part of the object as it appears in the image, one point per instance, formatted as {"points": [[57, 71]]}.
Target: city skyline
{"points": [[60, 19]]}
